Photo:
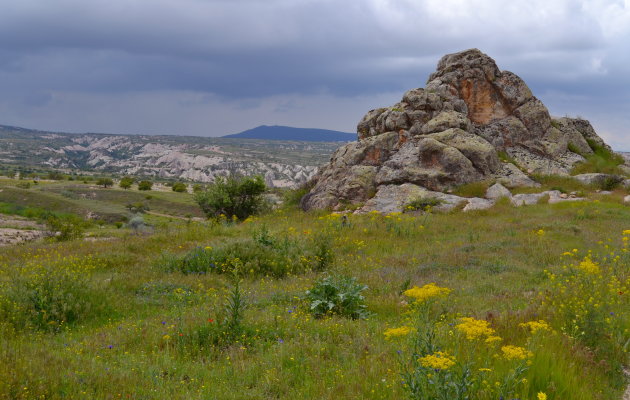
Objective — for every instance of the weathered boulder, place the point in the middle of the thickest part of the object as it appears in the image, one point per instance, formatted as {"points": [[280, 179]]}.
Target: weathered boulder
{"points": [[451, 133], [477, 203], [497, 191], [394, 198], [626, 199], [599, 179]]}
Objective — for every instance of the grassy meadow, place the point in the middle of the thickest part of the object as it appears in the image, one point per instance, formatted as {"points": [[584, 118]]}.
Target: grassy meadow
{"points": [[529, 302]]}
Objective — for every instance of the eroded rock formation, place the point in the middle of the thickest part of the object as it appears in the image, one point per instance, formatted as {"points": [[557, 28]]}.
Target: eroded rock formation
{"points": [[463, 127]]}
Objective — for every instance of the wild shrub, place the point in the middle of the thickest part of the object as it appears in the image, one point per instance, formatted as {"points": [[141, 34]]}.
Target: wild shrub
{"points": [[227, 329], [49, 294], [293, 197], [179, 187], [337, 295], [263, 254], [145, 185], [126, 182], [237, 197], [65, 227]]}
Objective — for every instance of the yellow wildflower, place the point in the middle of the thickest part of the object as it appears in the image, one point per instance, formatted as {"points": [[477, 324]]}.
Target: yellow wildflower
{"points": [[492, 339], [588, 266], [426, 292], [398, 332], [438, 360], [541, 396], [535, 326], [515, 353], [475, 328], [166, 337], [626, 232]]}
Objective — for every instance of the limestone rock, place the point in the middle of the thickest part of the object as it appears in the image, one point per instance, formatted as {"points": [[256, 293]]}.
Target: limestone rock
{"points": [[597, 179], [477, 203], [450, 133], [626, 199], [511, 176], [394, 198], [497, 191], [626, 183], [527, 199]]}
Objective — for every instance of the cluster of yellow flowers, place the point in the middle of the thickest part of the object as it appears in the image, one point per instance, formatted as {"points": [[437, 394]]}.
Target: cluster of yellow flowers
{"points": [[535, 326], [476, 329], [398, 332], [516, 353], [587, 265], [437, 360], [426, 292]]}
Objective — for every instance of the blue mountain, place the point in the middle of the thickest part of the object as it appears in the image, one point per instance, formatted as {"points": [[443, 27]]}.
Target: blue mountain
{"points": [[299, 134]]}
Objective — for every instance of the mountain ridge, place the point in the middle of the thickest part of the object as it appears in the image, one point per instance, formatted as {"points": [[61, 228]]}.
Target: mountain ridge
{"points": [[280, 132]]}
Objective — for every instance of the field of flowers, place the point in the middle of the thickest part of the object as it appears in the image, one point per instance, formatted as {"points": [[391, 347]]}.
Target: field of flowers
{"points": [[507, 303]]}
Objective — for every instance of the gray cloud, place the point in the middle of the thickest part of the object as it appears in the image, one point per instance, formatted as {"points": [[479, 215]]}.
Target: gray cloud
{"points": [[185, 66]]}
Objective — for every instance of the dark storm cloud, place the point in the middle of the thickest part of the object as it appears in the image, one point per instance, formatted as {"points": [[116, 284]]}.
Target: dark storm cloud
{"points": [[236, 55]]}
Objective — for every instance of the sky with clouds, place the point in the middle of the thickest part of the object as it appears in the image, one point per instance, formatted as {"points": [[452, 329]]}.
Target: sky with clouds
{"points": [[215, 67]]}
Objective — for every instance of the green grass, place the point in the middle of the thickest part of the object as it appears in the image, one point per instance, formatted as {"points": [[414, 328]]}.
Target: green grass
{"points": [[601, 161], [129, 347], [108, 204]]}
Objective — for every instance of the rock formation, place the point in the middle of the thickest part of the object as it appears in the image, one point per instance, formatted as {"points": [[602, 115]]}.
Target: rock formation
{"points": [[471, 122]]}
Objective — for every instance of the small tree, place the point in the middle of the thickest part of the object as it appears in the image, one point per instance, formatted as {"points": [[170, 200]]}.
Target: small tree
{"points": [[65, 227], [145, 185], [179, 187], [105, 182], [232, 196], [126, 182], [197, 188]]}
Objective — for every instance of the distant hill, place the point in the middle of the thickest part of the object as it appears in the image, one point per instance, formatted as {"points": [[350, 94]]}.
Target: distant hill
{"points": [[299, 134]]}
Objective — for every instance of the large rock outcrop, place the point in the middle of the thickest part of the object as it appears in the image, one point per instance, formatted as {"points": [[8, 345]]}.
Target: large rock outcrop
{"points": [[452, 133]]}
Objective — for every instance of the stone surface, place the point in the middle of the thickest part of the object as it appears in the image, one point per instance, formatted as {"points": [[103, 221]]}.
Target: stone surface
{"points": [[511, 176], [477, 203], [626, 199], [497, 191], [597, 179], [527, 199], [394, 198], [626, 183], [450, 133]]}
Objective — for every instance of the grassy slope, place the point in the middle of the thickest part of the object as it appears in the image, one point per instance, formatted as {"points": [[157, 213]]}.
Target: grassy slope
{"points": [[109, 204], [121, 351]]}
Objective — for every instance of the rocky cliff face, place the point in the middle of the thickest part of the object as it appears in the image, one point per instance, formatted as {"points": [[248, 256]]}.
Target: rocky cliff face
{"points": [[462, 127]]}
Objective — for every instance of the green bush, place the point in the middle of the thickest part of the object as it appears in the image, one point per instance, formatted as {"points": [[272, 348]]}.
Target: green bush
{"points": [[126, 182], [145, 185], [179, 187], [65, 227], [232, 196], [338, 295], [261, 255]]}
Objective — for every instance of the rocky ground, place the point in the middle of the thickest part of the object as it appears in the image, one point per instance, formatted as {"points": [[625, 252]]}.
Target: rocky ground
{"points": [[15, 230]]}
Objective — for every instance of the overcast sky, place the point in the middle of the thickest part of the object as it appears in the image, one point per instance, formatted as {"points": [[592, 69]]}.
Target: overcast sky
{"points": [[214, 67]]}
